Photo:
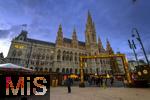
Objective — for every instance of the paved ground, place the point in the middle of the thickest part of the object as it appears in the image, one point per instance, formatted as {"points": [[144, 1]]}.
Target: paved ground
{"points": [[97, 93], [32, 97]]}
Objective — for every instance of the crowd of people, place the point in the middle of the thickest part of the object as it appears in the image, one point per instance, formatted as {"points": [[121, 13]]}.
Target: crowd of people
{"points": [[100, 81]]}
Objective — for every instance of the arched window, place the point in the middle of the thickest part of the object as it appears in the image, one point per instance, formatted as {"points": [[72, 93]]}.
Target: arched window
{"points": [[19, 53], [64, 55], [67, 57], [63, 70], [50, 70], [76, 71], [51, 57], [43, 56], [79, 55], [71, 56], [101, 61], [41, 69], [14, 53], [58, 55], [36, 69], [67, 71], [38, 56], [46, 69], [47, 57], [70, 70], [37, 63], [75, 58], [57, 70], [33, 55]]}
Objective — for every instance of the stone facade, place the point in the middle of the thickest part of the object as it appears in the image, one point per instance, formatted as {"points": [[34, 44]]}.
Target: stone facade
{"points": [[62, 56]]}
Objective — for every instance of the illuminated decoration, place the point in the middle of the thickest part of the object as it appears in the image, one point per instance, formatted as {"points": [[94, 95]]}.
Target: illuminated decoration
{"points": [[19, 46], [125, 63], [139, 73], [145, 71], [85, 64], [73, 76], [108, 76]]}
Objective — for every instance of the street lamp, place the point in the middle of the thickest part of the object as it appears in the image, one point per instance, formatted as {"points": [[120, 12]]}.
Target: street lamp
{"points": [[137, 35], [133, 47]]}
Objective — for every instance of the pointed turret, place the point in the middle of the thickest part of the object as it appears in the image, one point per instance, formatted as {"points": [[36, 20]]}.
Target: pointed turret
{"points": [[74, 35], [60, 33], [59, 40], [109, 48], [100, 46], [74, 39]]}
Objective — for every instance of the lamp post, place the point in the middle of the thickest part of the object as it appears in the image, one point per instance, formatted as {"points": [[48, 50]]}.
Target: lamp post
{"points": [[133, 47], [135, 32], [81, 73]]}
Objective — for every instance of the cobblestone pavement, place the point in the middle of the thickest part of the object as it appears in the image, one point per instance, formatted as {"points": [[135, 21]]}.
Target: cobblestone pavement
{"points": [[97, 93]]}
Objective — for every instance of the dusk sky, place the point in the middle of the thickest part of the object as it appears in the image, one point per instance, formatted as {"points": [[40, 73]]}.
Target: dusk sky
{"points": [[114, 19]]}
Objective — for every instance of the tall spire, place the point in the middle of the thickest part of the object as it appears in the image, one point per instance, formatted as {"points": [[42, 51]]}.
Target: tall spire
{"points": [[90, 33], [108, 47], [59, 39], [74, 39], [89, 19], [100, 46]]}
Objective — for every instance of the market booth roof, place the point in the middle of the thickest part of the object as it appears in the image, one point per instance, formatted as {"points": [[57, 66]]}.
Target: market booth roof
{"points": [[12, 67]]}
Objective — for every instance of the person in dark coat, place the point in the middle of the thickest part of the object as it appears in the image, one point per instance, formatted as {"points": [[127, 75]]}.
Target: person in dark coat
{"points": [[111, 81], [89, 81], [68, 83], [105, 81]]}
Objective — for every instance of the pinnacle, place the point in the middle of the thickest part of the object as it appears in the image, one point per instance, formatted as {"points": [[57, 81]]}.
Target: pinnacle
{"points": [[74, 33], [89, 19], [60, 27], [99, 38], [74, 30], [107, 41]]}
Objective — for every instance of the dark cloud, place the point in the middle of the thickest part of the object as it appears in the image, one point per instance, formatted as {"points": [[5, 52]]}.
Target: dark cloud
{"points": [[4, 33], [10, 33]]}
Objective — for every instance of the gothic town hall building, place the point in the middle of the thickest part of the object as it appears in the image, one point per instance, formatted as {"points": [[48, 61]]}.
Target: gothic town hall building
{"points": [[63, 55]]}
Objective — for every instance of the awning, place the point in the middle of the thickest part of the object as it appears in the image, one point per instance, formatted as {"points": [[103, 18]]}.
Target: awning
{"points": [[12, 67]]}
